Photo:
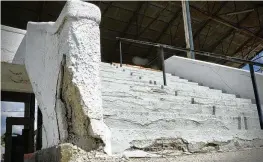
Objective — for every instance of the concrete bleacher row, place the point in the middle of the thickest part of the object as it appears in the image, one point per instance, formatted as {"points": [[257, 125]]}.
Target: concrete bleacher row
{"points": [[140, 111]]}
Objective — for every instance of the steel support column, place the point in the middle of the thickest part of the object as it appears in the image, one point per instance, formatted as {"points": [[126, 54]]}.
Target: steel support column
{"points": [[120, 54], [39, 130], [163, 65], [188, 29], [254, 83]]}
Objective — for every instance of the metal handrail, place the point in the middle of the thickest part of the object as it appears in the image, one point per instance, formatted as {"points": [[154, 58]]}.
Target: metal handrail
{"points": [[209, 54], [203, 53]]}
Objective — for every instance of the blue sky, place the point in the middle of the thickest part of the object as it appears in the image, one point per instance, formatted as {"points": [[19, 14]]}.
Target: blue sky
{"points": [[258, 58], [11, 109], [8, 109]]}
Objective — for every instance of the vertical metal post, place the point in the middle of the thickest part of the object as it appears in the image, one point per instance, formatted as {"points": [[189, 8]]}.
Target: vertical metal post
{"points": [[39, 129], [254, 83], [31, 147], [8, 140], [188, 29], [120, 54], [163, 66]]}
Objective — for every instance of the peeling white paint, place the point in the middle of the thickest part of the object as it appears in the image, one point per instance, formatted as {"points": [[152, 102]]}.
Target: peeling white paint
{"points": [[76, 36]]}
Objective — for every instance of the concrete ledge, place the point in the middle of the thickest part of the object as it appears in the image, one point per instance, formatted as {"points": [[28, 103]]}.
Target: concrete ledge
{"points": [[250, 155], [65, 153], [231, 80], [70, 153]]}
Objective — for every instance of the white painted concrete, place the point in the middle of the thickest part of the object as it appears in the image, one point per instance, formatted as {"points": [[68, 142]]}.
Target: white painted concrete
{"points": [[76, 36], [231, 80], [141, 115], [12, 45], [43, 65], [149, 119]]}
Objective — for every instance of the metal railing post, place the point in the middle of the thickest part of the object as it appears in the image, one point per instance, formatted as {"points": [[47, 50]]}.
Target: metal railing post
{"points": [[163, 66], [120, 54], [254, 83]]}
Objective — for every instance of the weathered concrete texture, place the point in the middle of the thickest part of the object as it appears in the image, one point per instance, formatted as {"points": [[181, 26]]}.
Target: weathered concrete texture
{"points": [[71, 153], [43, 64], [250, 155], [62, 61], [68, 153], [231, 80], [149, 119], [81, 78]]}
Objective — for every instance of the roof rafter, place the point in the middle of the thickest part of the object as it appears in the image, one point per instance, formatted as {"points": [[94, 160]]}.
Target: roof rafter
{"points": [[207, 21], [107, 8], [246, 42], [176, 15], [132, 19], [226, 23], [147, 27], [240, 48], [226, 35], [241, 65]]}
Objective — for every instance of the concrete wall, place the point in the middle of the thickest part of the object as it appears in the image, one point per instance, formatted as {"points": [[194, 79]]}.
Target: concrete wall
{"points": [[231, 80], [62, 61], [14, 78], [13, 73], [12, 45]]}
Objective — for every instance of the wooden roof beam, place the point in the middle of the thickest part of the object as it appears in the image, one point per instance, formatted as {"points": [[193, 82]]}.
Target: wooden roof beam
{"points": [[229, 24], [207, 21], [147, 27], [242, 46], [176, 15], [226, 35], [140, 4], [106, 9], [246, 42]]}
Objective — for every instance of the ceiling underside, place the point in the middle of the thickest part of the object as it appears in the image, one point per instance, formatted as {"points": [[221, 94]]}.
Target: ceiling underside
{"points": [[228, 28]]}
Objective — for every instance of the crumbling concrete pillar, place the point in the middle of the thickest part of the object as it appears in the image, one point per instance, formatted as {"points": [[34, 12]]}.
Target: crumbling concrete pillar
{"points": [[63, 61]]}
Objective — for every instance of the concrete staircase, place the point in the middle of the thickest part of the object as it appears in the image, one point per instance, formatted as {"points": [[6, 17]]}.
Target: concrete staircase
{"points": [[149, 119]]}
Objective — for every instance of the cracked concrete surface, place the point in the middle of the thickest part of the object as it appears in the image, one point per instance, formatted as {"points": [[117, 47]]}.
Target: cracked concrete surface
{"points": [[144, 117], [147, 120], [67, 55], [70, 153]]}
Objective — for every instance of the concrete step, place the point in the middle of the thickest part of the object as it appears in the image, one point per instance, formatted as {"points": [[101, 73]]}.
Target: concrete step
{"points": [[153, 75], [137, 81], [194, 141], [158, 94], [182, 109], [169, 121], [157, 79], [169, 99], [178, 86], [110, 67], [145, 77], [133, 70]]}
